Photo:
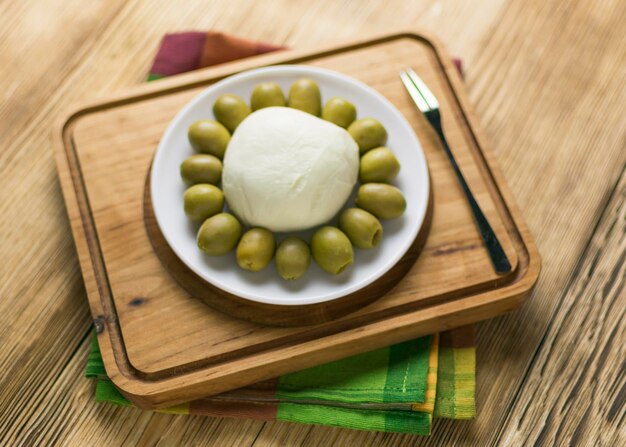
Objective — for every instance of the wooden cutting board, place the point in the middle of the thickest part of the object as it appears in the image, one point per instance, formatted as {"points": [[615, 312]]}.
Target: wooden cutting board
{"points": [[161, 346]]}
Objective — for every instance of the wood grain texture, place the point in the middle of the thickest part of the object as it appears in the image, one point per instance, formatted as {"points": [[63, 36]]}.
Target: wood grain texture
{"points": [[578, 382], [452, 284], [545, 77]]}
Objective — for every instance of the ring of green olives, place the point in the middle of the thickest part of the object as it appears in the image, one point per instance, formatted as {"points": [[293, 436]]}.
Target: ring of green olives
{"points": [[330, 247]]}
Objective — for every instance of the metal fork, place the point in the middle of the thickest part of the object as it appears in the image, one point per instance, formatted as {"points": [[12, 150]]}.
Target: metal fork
{"points": [[429, 106]]}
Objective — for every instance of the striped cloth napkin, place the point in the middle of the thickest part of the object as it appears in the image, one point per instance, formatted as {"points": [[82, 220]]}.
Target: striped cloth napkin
{"points": [[395, 389]]}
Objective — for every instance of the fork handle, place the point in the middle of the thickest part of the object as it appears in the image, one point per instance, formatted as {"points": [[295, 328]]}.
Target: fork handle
{"points": [[496, 252]]}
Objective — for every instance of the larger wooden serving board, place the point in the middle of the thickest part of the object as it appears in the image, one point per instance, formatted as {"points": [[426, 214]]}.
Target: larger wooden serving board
{"points": [[161, 346]]}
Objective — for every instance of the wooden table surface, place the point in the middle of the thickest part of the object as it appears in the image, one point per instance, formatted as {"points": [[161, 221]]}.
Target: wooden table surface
{"points": [[547, 80]]}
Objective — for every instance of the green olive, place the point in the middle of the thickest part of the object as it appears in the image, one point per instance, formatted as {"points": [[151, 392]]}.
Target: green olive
{"points": [[201, 168], [363, 229], [304, 95], [382, 200], [209, 137], [331, 249], [219, 234], [292, 258], [378, 165], [368, 134], [230, 110], [255, 249], [267, 94], [339, 111], [202, 201]]}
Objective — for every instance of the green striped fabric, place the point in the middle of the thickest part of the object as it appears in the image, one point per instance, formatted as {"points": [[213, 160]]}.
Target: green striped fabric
{"points": [[396, 374], [456, 383], [374, 420], [371, 391]]}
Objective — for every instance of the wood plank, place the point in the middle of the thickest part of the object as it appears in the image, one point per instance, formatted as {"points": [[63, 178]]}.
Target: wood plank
{"points": [[40, 284], [43, 307], [573, 392], [67, 415], [530, 66], [28, 67]]}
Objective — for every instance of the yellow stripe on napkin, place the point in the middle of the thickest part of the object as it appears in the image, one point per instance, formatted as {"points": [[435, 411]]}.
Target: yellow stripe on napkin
{"points": [[431, 379]]}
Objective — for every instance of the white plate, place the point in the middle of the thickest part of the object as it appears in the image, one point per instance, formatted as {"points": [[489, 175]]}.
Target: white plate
{"points": [[315, 286]]}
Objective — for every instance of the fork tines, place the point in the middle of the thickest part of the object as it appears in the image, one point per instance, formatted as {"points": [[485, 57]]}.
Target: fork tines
{"points": [[421, 95]]}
